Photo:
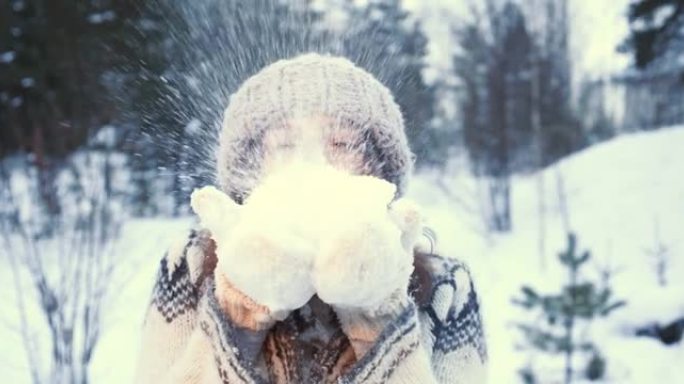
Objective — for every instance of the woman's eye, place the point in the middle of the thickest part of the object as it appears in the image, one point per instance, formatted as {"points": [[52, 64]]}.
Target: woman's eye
{"points": [[285, 146], [340, 144]]}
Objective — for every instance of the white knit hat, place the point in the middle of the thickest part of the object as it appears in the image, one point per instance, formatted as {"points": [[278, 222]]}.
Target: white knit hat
{"points": [[307, 86]]}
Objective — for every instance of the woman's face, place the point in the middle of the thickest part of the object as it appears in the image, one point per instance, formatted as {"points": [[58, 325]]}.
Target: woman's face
{"points": [[315, 141]]}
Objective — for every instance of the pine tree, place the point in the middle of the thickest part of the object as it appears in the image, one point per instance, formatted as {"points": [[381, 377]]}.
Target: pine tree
{"points": [[655, 94], [654, 36], [191, 57], [55, 63], [493, 67], [515, 100], [383, 39], [579, 302]]}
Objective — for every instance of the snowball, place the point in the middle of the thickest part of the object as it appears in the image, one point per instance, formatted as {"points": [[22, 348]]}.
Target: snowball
{"points": [[313, 229]]}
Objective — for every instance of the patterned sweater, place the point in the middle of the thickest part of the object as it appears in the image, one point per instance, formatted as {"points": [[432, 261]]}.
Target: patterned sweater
{"points": [[187, 338]]}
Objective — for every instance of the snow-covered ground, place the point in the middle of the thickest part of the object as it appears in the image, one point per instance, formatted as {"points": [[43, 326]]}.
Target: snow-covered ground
{"points": [[616, 194]]}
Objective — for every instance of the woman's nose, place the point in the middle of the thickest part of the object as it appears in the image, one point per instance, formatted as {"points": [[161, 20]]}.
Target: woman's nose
{"points": [[313, 154], [311, 146]]}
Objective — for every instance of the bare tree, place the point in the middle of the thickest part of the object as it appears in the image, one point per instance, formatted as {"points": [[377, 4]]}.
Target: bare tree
{"points": [[539, 154], [553, 126], [493, 67], [66, 258], [659, 253]]}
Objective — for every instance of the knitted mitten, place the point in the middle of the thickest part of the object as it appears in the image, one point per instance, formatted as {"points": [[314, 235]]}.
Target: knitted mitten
{"points": [[262, 269], [363, 270]]}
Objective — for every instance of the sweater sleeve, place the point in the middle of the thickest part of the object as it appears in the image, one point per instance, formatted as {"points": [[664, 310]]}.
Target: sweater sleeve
{"points": [[439, 340], [452, 322], [396, 357], [171, 317], [184, 324]]}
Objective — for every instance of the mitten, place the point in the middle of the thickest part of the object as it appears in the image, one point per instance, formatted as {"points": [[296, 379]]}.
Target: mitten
{"points": [[258, 255], [366, 261], [368, 253]]}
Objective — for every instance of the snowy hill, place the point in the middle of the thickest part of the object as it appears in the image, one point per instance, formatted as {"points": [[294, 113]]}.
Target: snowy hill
{"points": [[623, 197]]}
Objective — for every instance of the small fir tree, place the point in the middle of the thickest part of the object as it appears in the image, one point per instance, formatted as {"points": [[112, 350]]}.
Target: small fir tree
{"points": [[579, 302]]}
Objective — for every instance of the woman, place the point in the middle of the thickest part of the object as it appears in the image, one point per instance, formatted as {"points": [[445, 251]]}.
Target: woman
{"points": [[202, 328]]}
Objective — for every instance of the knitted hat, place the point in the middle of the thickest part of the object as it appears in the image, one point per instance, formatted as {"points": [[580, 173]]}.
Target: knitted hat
{"points": [[308, 86]]}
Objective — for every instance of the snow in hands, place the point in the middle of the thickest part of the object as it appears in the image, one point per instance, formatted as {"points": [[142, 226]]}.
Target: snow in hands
{"points": [[313, 230]]}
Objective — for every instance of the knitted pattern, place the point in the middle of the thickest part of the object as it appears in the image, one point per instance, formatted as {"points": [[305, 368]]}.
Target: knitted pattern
{"points": [[174, 294], [311, 86], [457, 326], [437, 338]]}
